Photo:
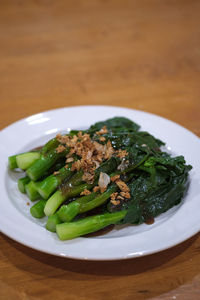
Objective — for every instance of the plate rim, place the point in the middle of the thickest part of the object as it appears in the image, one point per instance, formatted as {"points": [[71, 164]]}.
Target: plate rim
{"points": [[101, 106], [108, 107]]}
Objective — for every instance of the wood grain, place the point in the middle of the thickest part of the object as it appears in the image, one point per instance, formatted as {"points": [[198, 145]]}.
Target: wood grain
{"points": [[138, 54]]}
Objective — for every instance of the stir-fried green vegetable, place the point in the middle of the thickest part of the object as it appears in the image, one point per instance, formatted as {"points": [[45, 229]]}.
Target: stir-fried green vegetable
{"points": [[113, 166]]}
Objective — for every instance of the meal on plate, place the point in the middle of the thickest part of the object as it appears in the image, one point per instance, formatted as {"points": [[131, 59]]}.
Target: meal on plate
{"points": [[111, 173]]}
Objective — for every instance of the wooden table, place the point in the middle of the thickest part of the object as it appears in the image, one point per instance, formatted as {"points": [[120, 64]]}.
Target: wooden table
{"points": [[138, 54]]}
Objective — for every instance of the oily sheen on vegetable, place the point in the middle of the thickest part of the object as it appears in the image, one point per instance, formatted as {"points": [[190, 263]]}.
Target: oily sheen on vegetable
{"points": [[111, 173]]}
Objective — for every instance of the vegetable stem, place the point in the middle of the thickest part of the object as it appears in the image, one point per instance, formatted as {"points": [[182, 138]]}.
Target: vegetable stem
{"points": [[48, 185], [37, 210], [58, 197], [52, 222], [68, 212], [12, 162], [32, 191], [66, 231], [36, 170], [23, 160], [22, 182]]}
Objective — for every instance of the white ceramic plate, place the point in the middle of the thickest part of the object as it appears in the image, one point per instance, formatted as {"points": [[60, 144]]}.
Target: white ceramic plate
{"points": [[169, 229]]}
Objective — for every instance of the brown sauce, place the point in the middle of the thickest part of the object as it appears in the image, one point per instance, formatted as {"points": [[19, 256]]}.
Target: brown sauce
{"points": [[36, 148], [100, 232], [150, 221]]}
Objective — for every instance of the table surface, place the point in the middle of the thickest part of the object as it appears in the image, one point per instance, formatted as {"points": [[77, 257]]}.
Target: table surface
{"points": [[138, 54]]}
